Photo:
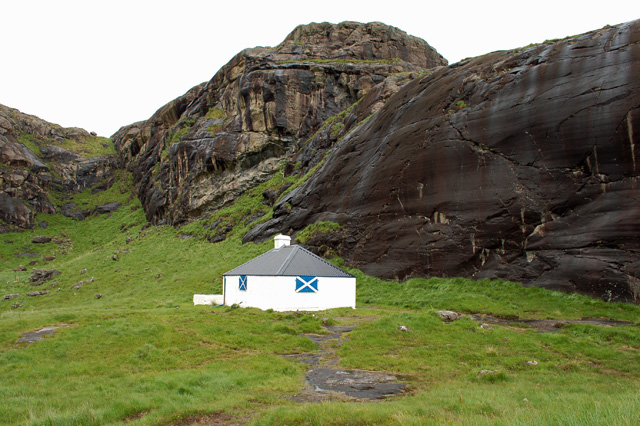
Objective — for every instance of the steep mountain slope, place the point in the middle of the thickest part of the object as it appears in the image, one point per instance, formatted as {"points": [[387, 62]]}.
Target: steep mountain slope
{"points": [[204, 149], [520, 165], [36, 157]]}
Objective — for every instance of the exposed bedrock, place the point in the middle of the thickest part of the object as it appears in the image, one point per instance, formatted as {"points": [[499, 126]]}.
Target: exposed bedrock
{"points": [[204, 149], [520, 165], [28, 173]]}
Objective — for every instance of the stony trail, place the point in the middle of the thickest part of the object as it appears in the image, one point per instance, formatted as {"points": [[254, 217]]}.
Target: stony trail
{"points": [[325, 380]]}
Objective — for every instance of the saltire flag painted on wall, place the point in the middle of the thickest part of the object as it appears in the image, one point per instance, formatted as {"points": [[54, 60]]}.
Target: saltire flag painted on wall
{"points": [[242, 283], [305, 284]]}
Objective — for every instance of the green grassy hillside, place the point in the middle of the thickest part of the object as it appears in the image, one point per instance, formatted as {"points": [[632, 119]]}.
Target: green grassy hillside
{"points": [[142, 354]]}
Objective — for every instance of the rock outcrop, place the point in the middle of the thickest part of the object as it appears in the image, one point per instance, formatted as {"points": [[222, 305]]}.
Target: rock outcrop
{"points": [[204, 149], [34, 159], [519, 165]]}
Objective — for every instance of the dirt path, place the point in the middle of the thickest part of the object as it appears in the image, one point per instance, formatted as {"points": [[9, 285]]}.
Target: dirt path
{"points": [[325, 381]]}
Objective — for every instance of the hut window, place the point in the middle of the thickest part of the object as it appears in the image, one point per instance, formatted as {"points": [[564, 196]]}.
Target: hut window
{"points": [[306, 284], [242, 283]]}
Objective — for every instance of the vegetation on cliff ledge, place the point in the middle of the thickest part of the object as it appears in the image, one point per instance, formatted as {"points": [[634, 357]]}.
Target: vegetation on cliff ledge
{"points": [[91, 146]]}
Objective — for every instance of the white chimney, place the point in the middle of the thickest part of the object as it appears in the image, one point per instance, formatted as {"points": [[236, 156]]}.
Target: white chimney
{"points": [[281, 240]]}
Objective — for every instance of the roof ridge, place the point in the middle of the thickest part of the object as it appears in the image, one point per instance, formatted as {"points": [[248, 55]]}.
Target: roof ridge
{"points": [[288, 260]]}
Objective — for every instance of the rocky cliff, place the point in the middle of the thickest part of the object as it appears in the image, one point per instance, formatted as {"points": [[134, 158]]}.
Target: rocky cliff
{"points": [[37, 156], [204, 149], [519, 165]]}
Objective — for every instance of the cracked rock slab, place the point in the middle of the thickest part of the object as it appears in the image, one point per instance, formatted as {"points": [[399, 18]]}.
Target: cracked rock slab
{"points": [[358, 384], [33, 336]]}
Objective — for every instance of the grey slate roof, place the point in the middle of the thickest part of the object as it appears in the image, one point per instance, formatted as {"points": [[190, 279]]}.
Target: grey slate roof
{"points": [[290, 260]]}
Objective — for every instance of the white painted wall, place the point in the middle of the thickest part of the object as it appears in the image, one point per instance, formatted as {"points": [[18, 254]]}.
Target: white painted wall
{"points": [[207, 299], [279, 293]]}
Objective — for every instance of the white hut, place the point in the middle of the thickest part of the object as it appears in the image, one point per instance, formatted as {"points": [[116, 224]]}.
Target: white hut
{"points": [[289, 278]]}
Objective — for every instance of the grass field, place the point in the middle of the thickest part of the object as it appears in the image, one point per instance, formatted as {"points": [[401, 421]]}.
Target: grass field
{"points": [[142, 354]]}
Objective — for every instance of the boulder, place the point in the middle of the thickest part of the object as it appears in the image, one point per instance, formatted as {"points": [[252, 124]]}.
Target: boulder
{"points": [[37, 293], [111, 207], [27, 254], [486, 372], [42, 275], [81, 283], [449, 315], [40, 239], [72, 211], [10, 296]]}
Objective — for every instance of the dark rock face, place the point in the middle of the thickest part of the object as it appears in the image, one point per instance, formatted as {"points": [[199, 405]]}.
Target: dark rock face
{"points": [[16, 154], [22, 179], [518, 165], [204, 149], [26, 175], [15, 212], [84, 173]]}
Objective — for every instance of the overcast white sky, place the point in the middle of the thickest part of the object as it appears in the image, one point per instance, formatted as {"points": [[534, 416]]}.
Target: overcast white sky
{"points": [[100, 64]]}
